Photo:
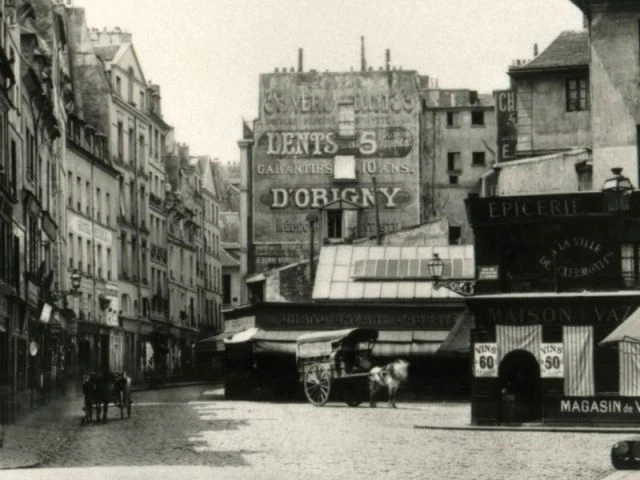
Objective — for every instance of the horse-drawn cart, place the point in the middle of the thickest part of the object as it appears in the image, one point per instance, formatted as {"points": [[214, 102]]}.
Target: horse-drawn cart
{"points": [[101, 389], [340, 357]]}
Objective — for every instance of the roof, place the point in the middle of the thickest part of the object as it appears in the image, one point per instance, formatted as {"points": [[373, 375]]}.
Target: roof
{"points": [[107, 52], [227, 260], [569, 49], [359, 272]]}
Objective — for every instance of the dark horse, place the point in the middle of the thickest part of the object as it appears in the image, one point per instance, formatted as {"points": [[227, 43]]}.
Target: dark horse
{"points": [[100, 389]]}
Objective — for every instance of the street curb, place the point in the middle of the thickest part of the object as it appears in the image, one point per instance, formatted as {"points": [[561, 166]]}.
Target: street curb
{"points": [[623, 430], [144, 388], [14, 458]]}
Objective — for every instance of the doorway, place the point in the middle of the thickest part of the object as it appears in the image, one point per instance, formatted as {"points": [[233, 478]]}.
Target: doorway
{"points": [[520, 388]]}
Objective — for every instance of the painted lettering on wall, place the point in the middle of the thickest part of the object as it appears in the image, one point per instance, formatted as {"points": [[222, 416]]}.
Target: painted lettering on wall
{"points": [[380, 142], [507, 123], [316, 197], [319, 167], [279, 102], [577, 257]]}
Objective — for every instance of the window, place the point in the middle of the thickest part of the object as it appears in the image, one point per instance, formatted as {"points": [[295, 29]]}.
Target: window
{"points": [[108, 264], [453, 162], [453, 119], [141, 153], [88, 197], [107, 219], [478, 158], [477, 118], [453, 179], [411, 268], [70, 250], [630, 264], [334, 223], [346, 120], [14, 167], [454, 234], [99, 262], [577, 92], [344, 167], [89, 257], [120, 140], [80, 254], [98, 205], [132, 146], [70, 188], [79, 193], [141, 100], [118, 86]]}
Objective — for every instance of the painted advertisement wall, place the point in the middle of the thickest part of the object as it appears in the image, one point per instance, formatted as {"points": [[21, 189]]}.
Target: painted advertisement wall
{"points": [[323, 137]]}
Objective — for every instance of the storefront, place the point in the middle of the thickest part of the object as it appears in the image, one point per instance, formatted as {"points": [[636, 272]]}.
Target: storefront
{"points": [[556, 275]]}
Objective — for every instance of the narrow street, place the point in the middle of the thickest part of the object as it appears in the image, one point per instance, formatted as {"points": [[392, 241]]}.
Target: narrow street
{"points": [[195, 426]]}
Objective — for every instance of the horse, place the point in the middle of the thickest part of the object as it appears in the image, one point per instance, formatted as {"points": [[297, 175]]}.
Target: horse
{"points": [[392, 375], [101, 389]]}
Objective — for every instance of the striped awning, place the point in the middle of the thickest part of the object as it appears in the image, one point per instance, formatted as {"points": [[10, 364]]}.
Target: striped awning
{"points": [[408, 343]]}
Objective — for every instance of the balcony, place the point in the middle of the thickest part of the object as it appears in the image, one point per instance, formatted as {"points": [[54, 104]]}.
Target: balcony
{"points": [[155, 201]]}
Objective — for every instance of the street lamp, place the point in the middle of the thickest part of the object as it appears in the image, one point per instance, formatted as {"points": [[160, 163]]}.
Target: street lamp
{"points": [[435, 266], [617, 192]]}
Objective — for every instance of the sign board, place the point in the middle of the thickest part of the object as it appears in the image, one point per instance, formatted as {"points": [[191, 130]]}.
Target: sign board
{"points": [[317, 349], [485, 360], [507, 123], [46, 313], [551, 360], [488, 272]]}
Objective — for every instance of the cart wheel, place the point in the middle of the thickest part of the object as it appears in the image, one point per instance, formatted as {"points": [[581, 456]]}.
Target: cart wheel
{"points": [[317, 385]]}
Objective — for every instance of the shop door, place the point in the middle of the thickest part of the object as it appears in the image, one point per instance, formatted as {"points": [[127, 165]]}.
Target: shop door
{"points": [[519, 388]]}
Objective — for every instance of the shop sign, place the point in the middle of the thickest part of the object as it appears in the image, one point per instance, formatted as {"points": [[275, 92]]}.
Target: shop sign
{"points": [[494, 209], [488, 272], [46, 313], [371, 317], [577, 257], [485, 360], [507, 123], [552, 360], [558, 314], [593, 409]]}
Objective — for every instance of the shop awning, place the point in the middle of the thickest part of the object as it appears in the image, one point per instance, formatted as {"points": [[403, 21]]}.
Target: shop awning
{"points": [[458, 341], [242, 337], [276, 341], [627, 331], [213, 344], [407, 343]]}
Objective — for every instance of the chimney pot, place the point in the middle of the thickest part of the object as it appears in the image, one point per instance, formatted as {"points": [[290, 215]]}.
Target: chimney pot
{"points": [[300, 58], [535, 50]]}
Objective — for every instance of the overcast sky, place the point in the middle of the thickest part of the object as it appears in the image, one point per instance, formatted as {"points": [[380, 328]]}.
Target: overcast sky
{"points": [[206, 55]]}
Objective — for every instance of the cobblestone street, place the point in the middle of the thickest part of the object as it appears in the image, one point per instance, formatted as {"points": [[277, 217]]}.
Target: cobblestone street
{"points": [[196, 426]]}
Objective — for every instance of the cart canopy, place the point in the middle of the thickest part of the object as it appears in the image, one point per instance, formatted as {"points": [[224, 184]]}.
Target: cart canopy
{"points": [[354, 335]]}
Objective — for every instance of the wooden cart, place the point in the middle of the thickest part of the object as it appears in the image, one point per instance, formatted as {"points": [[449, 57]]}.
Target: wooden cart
{"points": [[335, 357]]}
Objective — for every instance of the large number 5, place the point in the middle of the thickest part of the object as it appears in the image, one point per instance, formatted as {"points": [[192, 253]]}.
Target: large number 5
{"points": [[368, 144]]}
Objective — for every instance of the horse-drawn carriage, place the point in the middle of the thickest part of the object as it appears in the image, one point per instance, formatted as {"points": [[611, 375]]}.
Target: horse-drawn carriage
{"points": [[101, 389], [340, 357]]}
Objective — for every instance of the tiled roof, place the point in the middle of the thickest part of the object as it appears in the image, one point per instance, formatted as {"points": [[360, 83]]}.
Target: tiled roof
{"points": [[569, 49], [339, 275], [106, 53]]}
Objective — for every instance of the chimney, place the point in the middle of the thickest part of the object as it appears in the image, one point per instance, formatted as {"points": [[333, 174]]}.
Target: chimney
{"points": [[387, 59], [535, 50], [363, 61], [300, 57]]}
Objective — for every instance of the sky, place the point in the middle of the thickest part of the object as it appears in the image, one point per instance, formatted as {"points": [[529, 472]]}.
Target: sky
{"points": [[207, 55]]}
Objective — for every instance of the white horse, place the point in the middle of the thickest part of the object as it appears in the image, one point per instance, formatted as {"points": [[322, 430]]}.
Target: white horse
{"points": [[392, 375]]}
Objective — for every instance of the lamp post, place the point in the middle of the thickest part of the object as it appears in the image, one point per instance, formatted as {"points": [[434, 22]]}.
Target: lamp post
{"points": [[312, 218], [617, 192], [463, 287]]}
